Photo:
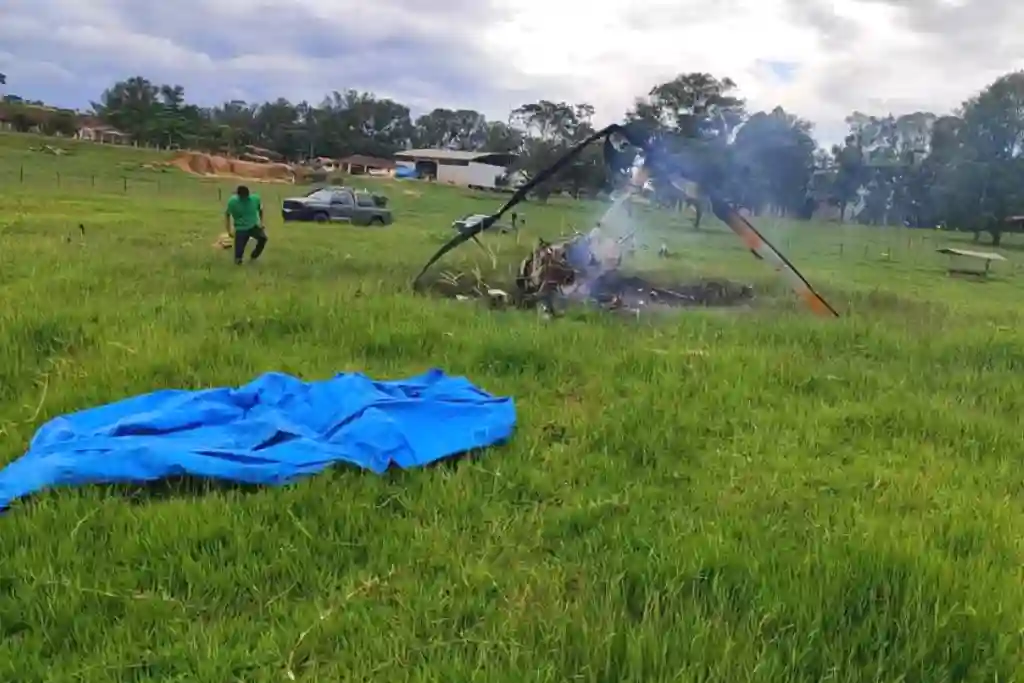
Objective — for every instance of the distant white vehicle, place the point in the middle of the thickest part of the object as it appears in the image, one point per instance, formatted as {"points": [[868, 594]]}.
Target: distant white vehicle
{"points": [[467, 222]]}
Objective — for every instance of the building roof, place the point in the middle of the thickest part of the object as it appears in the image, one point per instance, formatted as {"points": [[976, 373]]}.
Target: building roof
{"points": [[104, 129], [451, 154]]}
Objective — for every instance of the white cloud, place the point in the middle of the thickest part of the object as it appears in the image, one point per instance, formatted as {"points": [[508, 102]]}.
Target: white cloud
{"points": [[876, 61], [840, 55]]}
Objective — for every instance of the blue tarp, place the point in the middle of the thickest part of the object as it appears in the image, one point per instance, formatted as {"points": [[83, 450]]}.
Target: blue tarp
{"points": [[406, 172], [270, 431]]}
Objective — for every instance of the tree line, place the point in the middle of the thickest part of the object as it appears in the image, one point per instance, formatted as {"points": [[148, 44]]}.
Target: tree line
{"points": [[964, 169]]}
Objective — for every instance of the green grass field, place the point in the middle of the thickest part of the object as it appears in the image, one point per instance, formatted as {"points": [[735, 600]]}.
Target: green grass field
{"points": [[715, 496]]}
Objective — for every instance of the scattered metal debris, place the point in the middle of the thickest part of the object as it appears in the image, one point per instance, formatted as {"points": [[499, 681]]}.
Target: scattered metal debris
{"points": [[617, 292], [587, 269], [498, 298], [50, 149]]}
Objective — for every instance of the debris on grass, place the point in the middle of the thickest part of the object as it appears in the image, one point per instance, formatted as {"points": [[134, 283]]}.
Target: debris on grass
{"points": [[598, 279], [614, 292], [696, 353], [50, 149], [498, 298]]}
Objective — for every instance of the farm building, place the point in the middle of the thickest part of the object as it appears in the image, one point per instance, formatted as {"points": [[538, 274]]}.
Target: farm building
{"points": [[324, 164], [94, 130], [468, 169], [359, 164]]}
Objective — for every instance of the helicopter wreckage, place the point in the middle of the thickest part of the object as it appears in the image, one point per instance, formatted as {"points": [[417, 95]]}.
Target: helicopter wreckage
{"points": [[588, 266]]}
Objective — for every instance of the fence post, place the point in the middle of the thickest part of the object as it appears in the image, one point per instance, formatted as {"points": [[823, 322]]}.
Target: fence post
{"points": [[21, 174], [124, 183], [58, 178], [92, 179], [220, 195]]}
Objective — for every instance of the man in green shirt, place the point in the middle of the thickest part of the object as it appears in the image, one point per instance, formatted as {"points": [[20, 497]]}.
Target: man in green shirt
{"points": [[243, 219]]}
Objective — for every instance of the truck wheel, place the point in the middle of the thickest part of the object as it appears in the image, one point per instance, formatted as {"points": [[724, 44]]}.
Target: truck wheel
{"points": [[321, 217], [376, 220]]}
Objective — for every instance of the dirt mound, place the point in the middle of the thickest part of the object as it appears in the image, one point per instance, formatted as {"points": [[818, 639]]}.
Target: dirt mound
{"points": [[198, 163]]}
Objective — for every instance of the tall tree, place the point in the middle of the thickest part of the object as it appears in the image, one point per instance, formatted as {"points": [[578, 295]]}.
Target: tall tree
{"points": [[773, 157], [132, 106], [693, 106], [892, 150], [697, 113], [965, 169], [462, 129], [849, 172], [503, 138], [987, 172], [549, 129]]}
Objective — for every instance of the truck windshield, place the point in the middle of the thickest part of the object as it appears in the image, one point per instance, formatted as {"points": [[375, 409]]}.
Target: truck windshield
{"points": [[320, 196]]}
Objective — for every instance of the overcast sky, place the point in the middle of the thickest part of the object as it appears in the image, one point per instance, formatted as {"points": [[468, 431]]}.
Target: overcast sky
{"points": [[820, 59]]}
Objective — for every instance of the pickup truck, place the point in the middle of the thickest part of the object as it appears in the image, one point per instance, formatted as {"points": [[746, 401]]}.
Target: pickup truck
{"points": [[337, 204]]}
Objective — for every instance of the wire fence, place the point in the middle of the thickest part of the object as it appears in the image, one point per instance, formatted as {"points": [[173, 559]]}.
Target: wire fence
{"points": [[149, 182], [895, 245]]}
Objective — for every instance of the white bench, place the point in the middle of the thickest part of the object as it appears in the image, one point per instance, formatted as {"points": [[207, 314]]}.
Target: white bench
{"points": [[965, 256]]}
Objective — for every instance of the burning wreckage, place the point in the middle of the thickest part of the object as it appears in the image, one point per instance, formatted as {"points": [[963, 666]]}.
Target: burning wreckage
{"points": [[588, 266]]}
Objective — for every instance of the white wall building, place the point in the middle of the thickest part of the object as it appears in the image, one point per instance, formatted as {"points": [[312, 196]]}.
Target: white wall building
{"points": [[465, 169]]}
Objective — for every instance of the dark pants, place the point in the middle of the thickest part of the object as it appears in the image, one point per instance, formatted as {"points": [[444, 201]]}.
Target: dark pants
{"points": [[242, 239]]}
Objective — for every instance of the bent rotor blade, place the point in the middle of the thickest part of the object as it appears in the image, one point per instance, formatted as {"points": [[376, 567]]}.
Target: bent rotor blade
{"points": [[459, 238], [516, 197], [677, 170], [757, 243]]}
